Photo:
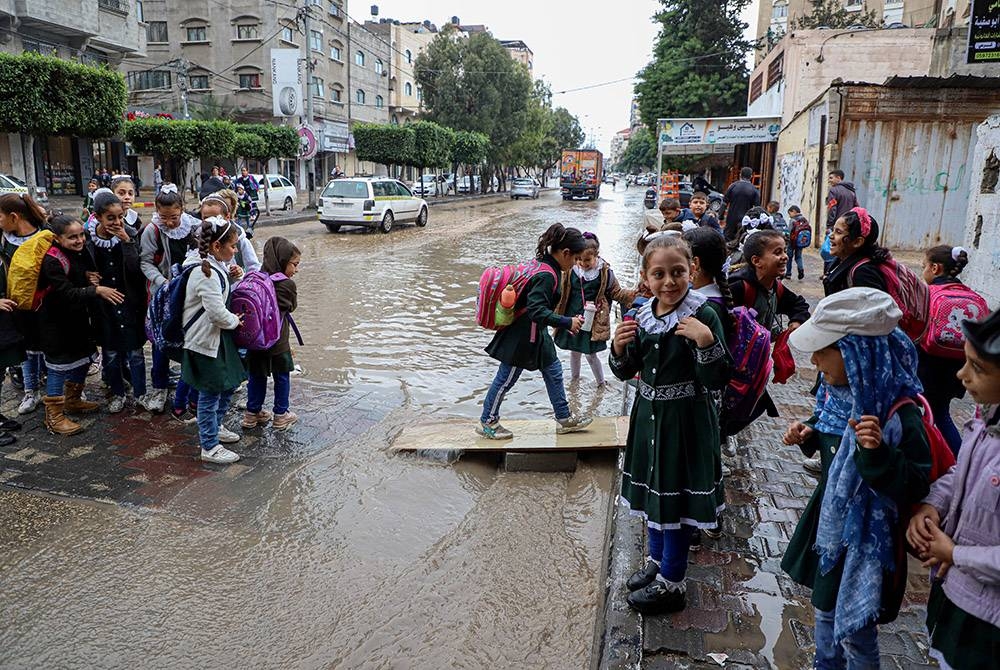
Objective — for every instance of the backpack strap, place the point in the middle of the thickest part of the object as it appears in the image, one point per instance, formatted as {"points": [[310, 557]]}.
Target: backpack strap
{"points": [[850, 273], [291, 322], [57, 253]]}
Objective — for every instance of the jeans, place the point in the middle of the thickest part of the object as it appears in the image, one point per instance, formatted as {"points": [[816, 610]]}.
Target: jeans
{"points": [[796, 255], [257, 387], [160, 373], [507, 376], [941, 407], [671, 547], [114, 361], [184, 395], [31, 369], [857, 652], [57, 379], [211, 410]]}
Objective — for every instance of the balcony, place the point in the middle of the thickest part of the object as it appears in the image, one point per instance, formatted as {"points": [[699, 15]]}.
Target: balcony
{"points": [[117, 6]]}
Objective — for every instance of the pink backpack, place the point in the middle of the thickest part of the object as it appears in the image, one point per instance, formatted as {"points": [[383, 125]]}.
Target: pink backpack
{"points": [[908, 291], [495, 280], [750, 347], [254, 299], [950, 304]]}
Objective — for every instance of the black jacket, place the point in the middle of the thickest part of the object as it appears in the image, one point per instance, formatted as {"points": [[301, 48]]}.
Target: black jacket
{"points": [[64, 316], [851, 272], [120, 327], [840, 201], [741, 197]]}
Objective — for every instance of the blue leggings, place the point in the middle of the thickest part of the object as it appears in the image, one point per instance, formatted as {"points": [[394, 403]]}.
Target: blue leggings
{"points": [[670, 547]]}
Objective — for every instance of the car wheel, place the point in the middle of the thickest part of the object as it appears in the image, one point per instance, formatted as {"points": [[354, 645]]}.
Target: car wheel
{"points": [[422, 217], [333, 227], [289, 203], [387, 222]]}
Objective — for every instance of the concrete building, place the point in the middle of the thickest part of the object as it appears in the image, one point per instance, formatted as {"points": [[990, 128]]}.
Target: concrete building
{"points": [[101, 32], [520, 52], [619, 143], [368, 85], [406, 41], [982, 221]]}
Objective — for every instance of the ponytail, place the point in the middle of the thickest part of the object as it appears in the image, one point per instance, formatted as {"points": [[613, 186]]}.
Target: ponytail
{"points": [[952, 259], [213, 229], [710, 249], [557, 238], [25, 207]]}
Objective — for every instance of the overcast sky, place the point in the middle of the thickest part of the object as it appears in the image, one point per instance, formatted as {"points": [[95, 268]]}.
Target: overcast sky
{"points": [[576, 44]]}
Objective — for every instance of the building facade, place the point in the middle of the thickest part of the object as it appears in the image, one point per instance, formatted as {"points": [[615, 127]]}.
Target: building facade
{"points": [[368, 85], [520, 52], [619, 143]]}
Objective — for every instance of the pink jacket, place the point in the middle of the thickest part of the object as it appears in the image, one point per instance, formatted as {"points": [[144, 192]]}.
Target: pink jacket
{"points": [[968, 499]]}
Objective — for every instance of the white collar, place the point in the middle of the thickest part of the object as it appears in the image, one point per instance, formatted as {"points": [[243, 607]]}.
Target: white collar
{"points": [[654, 325], [131, 216], [17, 240], [592, 274], [187, 224], [102, 243], [710, 290]]}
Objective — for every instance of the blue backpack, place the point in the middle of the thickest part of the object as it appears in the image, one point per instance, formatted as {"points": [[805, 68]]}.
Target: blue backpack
{"points": [[165, 325]]}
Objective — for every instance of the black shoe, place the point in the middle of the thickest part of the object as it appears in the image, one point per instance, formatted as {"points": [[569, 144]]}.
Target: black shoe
{"points": [[643, 576], [6, 439], [714, 533], [657, 599], [9, 424], [695, 540], [801, 275], [16, 378]]}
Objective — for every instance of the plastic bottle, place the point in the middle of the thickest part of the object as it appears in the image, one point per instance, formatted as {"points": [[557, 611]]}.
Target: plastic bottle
{"points": [[589, 310], [508, 297]]}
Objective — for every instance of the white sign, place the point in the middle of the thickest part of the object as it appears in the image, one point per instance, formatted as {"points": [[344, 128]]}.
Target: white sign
{"points": [[727, 130], [336, 137], [286, 82]]}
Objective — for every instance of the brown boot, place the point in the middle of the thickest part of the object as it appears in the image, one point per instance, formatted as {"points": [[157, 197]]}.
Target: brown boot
{"points": [[57, 422], [75, 404]]}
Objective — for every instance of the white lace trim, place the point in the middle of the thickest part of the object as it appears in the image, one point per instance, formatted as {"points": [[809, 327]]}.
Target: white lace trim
{"points": [[654, 325], [702, 525], [589, 275], [709, 290], [18, 240], [187, 224], [99, 241], [669, 494]]}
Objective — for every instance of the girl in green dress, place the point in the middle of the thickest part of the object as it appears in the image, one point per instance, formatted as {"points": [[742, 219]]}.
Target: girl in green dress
{"points": [[672, 475]]}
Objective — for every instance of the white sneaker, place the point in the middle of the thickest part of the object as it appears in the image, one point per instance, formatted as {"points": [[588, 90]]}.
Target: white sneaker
{"points": [[146, 402], [219, 454], [117, 404], [29, 403], [155, 400], [227, 436]]}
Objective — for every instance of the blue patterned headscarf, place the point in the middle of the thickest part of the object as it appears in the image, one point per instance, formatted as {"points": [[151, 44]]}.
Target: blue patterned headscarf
{"points": [[856, 522]]}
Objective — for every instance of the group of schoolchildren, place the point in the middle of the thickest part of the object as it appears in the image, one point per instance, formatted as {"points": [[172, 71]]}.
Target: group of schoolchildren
{"points": [[96, 277], [882, 398]]}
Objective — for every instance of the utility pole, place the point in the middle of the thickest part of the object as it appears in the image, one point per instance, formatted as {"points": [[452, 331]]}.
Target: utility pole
{"points": [[310, 163], [182, 81]]}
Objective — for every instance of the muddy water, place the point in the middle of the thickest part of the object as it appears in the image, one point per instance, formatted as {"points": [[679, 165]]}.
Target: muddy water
{"points": [[342, 555]]}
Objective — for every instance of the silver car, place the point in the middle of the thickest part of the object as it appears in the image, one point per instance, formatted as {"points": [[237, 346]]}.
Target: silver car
{"points": [[524, 187]]}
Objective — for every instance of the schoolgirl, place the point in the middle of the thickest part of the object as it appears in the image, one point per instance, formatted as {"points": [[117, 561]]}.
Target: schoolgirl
{"points": [[164, 244], [224, 203], [672, 474], [123, 187], [88, 200], [956, 530], [526, 343], [67, 338], [114, 248], [847, 546], [211, 362], [591, 280], [21, 218], [708, 273], [280, 256], [856, 253]]}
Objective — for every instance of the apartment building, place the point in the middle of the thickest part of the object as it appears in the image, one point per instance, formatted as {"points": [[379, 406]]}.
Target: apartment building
{"points": [[520, 52], [406, 41]]}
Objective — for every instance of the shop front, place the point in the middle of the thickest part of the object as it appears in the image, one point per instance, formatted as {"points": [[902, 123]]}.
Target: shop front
{"points": [[65, 164]]}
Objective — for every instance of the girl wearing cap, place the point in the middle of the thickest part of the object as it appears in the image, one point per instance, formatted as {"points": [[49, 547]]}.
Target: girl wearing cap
{"points": [[848, 545], [956, 530], [856, 253]]}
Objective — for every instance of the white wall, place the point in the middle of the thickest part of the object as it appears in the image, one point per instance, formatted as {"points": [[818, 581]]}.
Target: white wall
{"points": [[983, 219]]}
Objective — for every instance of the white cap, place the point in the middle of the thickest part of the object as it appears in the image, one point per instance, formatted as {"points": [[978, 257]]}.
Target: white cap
{"points": [[853, 311]]}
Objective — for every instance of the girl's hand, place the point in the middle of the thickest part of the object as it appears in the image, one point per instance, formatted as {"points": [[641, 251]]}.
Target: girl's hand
{"points": [[7, 305], [868, 430], [123, 235], [94, 278], [235, 272], [918, 534], [940, 550], [111, 295], [576, 323], [797, 433], [696, 331], [624, 334]]}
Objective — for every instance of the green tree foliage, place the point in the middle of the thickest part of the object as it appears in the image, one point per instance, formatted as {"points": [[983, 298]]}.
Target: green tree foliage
{"points": [[384, 143], [181, 140], [640, 154], [699, 62], [249, 145], [278, 141], [471, 150], [431, 146], [833, 14]]}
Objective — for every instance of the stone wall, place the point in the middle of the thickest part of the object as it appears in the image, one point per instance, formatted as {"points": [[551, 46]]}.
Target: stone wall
{"points": [[982, 232]]}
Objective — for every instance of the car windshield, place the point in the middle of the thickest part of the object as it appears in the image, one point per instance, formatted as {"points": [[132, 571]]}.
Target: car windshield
{"points": [[522, 182], [346, 188], [16, 180]]}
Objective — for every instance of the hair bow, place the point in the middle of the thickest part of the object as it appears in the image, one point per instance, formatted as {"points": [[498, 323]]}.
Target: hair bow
{"points": [[865, 219], [755, 223], [216, 222], [956, 252], [167, 187], [589, 236], [660, 233]]}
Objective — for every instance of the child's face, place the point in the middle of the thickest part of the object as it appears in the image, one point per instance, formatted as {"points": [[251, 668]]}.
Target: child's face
{"points": [[772, 208], [830, 362], [670, 214], [210, 209], [292, 268], [588, 259], [980, 377], [224, 250], [170, 217], [668, 274], [72, 238], [126, 193], [566, 259], [698, 206], [932, 271], [92, 186], [792, 213], [771, 264], [842, 244], [112, 220]]}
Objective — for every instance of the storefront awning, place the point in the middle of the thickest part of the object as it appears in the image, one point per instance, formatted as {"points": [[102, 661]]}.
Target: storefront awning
{"points": [[714, 135]]}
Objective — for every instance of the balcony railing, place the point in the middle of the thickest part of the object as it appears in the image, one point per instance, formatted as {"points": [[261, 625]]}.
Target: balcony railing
{"points": [[118, 6]]}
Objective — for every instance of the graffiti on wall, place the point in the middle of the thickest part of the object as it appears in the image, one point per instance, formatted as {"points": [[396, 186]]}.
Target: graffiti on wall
{"points": [[790, 172], [879, 180]]}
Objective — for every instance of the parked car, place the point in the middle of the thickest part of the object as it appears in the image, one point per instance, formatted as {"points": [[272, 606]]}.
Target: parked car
{"points": [[524, 187], [434, 185], [463, 184], [372, 202], [716, 200], [11, 184], [281, 192]]}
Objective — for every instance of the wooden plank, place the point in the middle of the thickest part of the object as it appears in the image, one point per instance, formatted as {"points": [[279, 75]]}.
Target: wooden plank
{"points": [[538, 435]]}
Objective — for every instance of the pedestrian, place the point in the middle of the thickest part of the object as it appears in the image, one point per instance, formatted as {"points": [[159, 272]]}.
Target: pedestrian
{"points": [[672, 472], [856, 253], [157, 179], [105, 178], [164, 244], [590, 281], [956, 530], [123, 187], [281, 259], [246, 211], [223, 204], [21, 218], [11, 352], [778, 222], [248, 182], [740, 197], [526, 344], [800, 230], [68, 283], [88, 200], [211, 364], [847, 547], [336, 172], [211, 184], [841, 199], [700, 213], [672, 212]]}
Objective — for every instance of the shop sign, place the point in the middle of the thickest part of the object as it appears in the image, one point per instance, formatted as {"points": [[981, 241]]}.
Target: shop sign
{"points": [[984, 32], [336, 137], [728, 130], [307, 142], [286, 82]]}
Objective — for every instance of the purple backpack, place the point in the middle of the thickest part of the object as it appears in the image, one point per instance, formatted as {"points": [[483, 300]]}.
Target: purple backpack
{"points": [[254, 299], [750, 346]]}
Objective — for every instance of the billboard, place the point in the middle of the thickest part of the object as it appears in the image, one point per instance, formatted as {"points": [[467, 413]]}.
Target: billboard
{"points": [[286, 82], [726, 130], [984, 32]]}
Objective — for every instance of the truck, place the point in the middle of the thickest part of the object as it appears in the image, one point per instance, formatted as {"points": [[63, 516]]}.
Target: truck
{"points": [[580, 173]]}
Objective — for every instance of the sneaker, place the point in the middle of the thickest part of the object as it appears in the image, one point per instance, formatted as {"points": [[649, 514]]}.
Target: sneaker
{"points": [[297, 370], [9, 425], [158, 399], [219, 454], [254, 419], [695, 540], [283, 421], [714, 533], [813, 465], [573, 423], [29, 403], [147, 402], [184, 416], [494, 431], [116, 404], [659, 597], [644, 576], [227, 436], [93, 369], [802, 275]]}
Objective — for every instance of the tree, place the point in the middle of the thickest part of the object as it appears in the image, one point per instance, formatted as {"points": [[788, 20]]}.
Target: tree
{"points": [[699, 66], [469, 149], [181, 140], [44, 96], [384, 143], [640, 154], [833, 14], [264, 141], [432, 145]]}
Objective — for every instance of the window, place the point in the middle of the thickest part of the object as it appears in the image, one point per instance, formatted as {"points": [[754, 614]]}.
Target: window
{"points": [[395, 120], [288, 34], [402, 190], [316, 3], [335, 95], [197, 34], [775, 70], [379, 66], [318, 90], [156, 31], [335, 54], [94, 58], [198, 82], [334, 9], [359, 97], [40, 47], [248, 32], [409, 56], [408, 88], [144, 80], [756, 87], [382, 189], [854, 4], [359, 58], [139, 14], [420, 95], [379, 102], [315, 40], [779, 10], [250, 80]]}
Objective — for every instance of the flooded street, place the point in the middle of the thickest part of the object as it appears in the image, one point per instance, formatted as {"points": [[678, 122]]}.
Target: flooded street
{"points": [[322, 548]]}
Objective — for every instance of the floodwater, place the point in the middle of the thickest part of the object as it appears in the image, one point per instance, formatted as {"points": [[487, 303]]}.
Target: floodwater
{"points": [[339, 553]]}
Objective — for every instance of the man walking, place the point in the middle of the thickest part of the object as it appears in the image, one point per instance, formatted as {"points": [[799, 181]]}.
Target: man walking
{"points": [[841, 199], [741, 196], [157, 179]]}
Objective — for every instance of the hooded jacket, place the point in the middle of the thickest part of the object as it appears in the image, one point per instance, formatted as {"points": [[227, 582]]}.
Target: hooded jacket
{"points": [[840, 201], [277, 253]]}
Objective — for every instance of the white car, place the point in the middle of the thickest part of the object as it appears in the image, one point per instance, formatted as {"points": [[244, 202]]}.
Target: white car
{"points": [[524, 187], [281, 193], [426, 186], [11, 184], [372, 202]]}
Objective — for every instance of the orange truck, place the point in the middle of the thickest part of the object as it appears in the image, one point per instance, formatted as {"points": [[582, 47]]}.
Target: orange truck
{"points": [[580, 173]]}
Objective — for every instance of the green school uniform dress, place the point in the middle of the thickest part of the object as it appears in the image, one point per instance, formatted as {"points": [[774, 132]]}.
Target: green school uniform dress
{"points": [[582, 287], [673, 468], [214, 375]]}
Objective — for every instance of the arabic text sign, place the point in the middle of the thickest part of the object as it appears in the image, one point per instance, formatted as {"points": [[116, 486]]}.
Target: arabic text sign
{"points": [[719, 130], [984, 32]]}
